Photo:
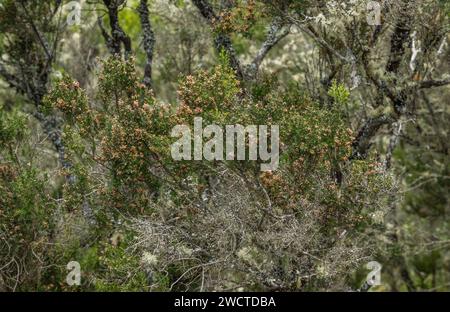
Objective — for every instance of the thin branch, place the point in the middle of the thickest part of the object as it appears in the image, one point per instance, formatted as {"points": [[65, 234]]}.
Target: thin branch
{"points": [[393, 141], [106, 36], [316, 38], [433, 83], [274, 35], [41, 38]]}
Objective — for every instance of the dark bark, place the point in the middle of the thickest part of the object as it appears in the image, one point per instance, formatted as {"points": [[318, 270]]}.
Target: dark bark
{"points": [[52, 127], [118, 36], [400, 39], [362, 142], [148, 40], [32, 79], [222, 42], [433, 83]]}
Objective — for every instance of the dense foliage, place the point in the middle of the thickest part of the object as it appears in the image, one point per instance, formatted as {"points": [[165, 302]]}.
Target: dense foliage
{"points": [[87, 174]]}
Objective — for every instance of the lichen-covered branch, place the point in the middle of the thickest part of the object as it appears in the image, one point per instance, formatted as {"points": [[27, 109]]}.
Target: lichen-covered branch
{"points": [[148, 40], [118, 35], [221, 41]]}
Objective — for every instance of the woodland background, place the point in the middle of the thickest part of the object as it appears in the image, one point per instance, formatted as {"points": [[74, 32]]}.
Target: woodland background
{"points": [[86, 174]]}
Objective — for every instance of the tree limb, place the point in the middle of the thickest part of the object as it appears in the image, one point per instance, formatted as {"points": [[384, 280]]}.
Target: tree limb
{"points": [[316, 38], [118, 36], [361, 144], [221, 41], [433, 83], [274, 35], [149, 41], [41, 38], [399, 38]]}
